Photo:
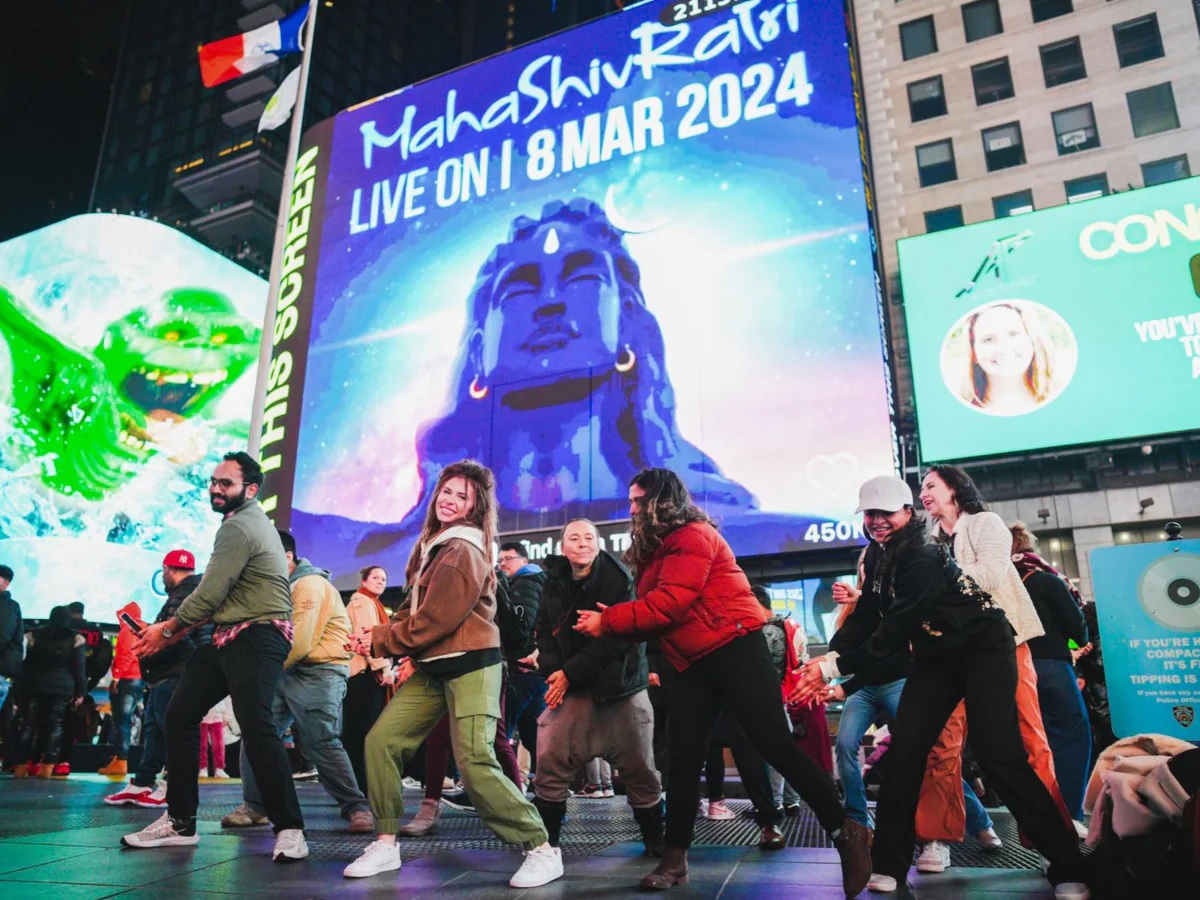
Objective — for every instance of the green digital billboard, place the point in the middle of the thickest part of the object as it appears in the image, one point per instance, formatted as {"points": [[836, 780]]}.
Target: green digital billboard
{"points": [[1072, 325]]}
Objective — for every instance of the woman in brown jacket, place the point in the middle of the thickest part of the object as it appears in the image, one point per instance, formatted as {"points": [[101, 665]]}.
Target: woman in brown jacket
{"points": [[447, 627]]}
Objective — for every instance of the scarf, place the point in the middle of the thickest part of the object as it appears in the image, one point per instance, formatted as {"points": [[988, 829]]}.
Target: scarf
{"points": [[1029, 562], [468, 533], [374, 598]]}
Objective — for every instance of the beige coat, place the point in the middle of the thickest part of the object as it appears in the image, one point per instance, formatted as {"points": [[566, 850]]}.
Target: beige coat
{"points": [[983, 549], [363, 614]]}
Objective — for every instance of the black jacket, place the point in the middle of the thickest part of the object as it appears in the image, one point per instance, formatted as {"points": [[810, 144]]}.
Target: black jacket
{"points": [[606, 668], [525, 594], [929, 602], [1061, 617], [169, 662], [858, 628], [54, 665], [12, 636]]}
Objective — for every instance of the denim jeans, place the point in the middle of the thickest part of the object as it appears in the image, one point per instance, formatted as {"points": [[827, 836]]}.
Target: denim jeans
{"points": [[247, 670], [862, 708], [1067, 729], [124, 700], [310, 699], [5, 685], [524, 705], [154, 733]]}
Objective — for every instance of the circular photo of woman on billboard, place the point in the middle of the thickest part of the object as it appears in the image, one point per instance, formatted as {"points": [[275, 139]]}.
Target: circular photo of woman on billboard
{"points": [[1009, 357]]}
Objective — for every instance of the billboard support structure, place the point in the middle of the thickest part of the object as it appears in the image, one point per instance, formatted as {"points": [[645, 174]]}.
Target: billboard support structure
{"points": [[285, 197]]}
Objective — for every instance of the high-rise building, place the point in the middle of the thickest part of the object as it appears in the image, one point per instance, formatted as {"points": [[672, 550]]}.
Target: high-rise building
{"points": [[991, 108], [192, 156]]}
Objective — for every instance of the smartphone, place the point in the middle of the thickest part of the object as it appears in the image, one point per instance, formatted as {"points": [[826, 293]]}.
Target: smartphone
{"points": [[134, 625]]}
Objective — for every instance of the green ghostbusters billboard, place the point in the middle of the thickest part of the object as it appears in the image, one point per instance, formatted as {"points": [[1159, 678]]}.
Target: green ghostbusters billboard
{"points": [[1070, 325]]}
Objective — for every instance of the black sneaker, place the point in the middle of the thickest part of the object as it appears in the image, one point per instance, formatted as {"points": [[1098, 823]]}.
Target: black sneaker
{"points": [[459, 800]]}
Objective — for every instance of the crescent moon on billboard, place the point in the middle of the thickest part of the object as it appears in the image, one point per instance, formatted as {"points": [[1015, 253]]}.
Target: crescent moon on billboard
{"points": [[621, 222]]}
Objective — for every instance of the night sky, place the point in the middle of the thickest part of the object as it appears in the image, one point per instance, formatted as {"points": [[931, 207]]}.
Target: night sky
{"points": [[57, 60]]}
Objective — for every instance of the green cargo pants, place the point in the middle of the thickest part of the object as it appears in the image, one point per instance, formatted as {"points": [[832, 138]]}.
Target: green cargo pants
{"points": [[473, 701]]}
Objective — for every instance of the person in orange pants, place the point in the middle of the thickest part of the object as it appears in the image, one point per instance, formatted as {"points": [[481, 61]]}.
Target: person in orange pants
{"points": [[982, 546]]}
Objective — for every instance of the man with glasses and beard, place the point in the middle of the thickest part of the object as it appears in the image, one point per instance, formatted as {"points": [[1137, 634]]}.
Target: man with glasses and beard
{"points": [[245, 592]]}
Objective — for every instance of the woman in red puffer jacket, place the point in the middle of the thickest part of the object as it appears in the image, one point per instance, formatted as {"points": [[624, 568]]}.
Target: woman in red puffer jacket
{"points": [[693, 596]]}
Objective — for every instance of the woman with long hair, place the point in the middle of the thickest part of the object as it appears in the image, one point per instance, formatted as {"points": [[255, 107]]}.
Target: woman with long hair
{"points": [[1010, 371], [447, 628], [694, 597], [1063, 711], [962, 645], [52, 680], [981, 545], [370, 677]]}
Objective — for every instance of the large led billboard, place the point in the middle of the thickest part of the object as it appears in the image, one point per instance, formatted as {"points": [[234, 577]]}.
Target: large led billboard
{"points": [[1065, 326], [642, 242], [127, 360]]}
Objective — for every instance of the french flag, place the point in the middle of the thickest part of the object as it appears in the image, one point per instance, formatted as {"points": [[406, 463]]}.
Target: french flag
{"points": [[233, 57]]}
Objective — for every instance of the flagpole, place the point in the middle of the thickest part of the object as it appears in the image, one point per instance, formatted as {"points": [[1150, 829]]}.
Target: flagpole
{"points": [[267, 344]]}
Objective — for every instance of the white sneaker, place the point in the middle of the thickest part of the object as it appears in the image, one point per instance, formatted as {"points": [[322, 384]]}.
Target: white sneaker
{"points": [[1081, 830], [718, 811], [378, 857], [220, 773], [160, 833], [882, 884], [128, 795], [934, 858], [542, 865], [290, 846], [609, 792], [410, 784], [1071, 890]]}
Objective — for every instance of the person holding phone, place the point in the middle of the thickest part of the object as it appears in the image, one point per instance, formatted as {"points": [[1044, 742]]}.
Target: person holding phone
{"points": [[125, 691]]}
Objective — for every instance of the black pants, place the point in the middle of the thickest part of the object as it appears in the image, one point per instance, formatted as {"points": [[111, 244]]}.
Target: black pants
{"points": [[740, 677], [247, 669], [751, 767], [987, 679], [42, 728], [365, 700]]}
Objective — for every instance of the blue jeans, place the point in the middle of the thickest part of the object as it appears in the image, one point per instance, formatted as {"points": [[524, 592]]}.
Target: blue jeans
{"points": [[5, 684], [526, 701], [154, 733], [1067, 730], [862, 708], [310, 699], [124, 700]]}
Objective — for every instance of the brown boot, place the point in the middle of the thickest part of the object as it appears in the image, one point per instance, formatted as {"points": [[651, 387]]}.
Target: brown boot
{"points": [[116, 768], [854, 847], [670, 871]]}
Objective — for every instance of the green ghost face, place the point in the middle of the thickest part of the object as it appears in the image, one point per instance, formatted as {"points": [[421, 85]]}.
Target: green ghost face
{"points": [[174, 357]]}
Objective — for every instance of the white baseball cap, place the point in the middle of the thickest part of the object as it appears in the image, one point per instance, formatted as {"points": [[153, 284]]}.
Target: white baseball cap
{"points": [[886, 493]]}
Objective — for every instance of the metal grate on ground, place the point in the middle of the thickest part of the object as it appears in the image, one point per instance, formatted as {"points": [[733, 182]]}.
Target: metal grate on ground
{"points": [[33, 807]]}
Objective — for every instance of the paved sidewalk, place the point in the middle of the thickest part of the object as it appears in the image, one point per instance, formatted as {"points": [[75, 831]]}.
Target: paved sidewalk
{"points": [[59, 842]]}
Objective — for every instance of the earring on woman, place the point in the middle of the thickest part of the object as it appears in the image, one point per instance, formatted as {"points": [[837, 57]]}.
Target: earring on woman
{"points": [[625, 360], [477, 392]]}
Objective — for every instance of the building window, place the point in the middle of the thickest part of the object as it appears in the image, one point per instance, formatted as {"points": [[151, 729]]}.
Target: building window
{"points": [[1075, 129], [918, 38], [1152, 109], [935, 163], [992, 80], [926, 99], [1002, 146], [1163, 170], [1012, 204], [1138, 40], [1062, 62], [941, 219], [1087, 188], [981, 19], [1049, 9]]}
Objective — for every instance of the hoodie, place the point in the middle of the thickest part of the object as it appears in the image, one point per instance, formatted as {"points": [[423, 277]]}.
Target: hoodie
{"points": [[319, 619], [125, 664]]}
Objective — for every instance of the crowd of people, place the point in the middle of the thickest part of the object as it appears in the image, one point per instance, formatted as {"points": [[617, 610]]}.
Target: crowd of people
{"points": [[643, 667]]}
